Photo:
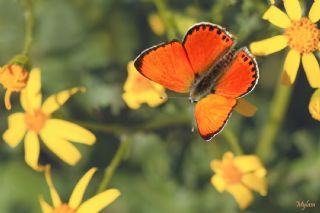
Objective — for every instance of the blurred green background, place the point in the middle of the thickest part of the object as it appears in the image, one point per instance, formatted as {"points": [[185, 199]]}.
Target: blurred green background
{"points": [[166, 168]]}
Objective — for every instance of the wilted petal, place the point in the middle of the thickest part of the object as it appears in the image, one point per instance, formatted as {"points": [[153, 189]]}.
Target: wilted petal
{"points": [[98, 202], [242, 195], [79, 190], [278, 18], [293, 9], [16, 131], [291, 66], [245, 108], [270, 45], [311, 67]]}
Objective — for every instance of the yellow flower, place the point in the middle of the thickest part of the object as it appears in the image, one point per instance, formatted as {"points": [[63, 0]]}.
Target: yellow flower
{"points": [[36, 121], [314, 105], [300, 34], [238, 176], [14, 78], [156, 24], [139, 90], [94, 204]]}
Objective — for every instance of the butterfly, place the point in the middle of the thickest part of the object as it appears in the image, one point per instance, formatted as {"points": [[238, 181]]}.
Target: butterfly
{"points": [[206, 65]]}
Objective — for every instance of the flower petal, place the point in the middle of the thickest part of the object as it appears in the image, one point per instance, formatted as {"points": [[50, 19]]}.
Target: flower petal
{"points": [[311, 67], [62, 148], [248, 163], [31, 96], [16, 131], [54, 102], [71, 132], [98, 202], [78, 192], [293, 9], [242, 195], [314, 105], [227, 158], [218, 182], [53, 192], [216, 165], [245, 108], [255, 183], [276, 17], [291, 66], [314, 13], [269, 45], [32, 150], [45, 207]]}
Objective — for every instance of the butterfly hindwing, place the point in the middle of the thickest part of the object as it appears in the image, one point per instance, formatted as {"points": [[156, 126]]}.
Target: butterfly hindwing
{"points": [[239, 77], [212, 113], [205, 43], [168, 65]]}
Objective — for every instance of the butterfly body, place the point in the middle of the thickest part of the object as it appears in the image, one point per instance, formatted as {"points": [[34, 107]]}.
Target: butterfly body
{"points": [[206, 66]]}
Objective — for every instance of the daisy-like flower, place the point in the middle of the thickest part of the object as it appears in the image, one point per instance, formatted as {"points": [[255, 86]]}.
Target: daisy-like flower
{"points": [[314, 105], [300, 34], [14, 78], [238, 176], [92, 205], [36, 121], [139, 90]]}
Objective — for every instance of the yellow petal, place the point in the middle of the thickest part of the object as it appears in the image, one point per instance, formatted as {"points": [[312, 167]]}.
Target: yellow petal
{"points": [[293, 9], [269, 45], [62, 148], [78, 192], [242, 195], [216, 165], [314, 13], [245, 108], [16, 131], [311, 67], [45, 207], [255, 183], [248, 163], [314, 105], [218, 182], [291, 66], [227, 158], [70, 131], [53, 192], [32, 149], [54, 102], [98, 202], [31, 96], [276, 17]]}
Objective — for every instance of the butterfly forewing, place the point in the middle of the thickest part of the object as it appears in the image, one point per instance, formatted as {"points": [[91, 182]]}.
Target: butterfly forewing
{"points": [[168, 65], [205, 43]]}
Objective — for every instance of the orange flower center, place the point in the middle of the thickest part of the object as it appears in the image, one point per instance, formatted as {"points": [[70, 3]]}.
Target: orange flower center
{"points": [[35, 121], [64, 208], [231, 174], [141, 84], [303, 35]]}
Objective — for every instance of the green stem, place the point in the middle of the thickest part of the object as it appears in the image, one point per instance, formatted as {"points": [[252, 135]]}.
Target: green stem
{"points": [[29, 27], [167, 18], [278, 108], [110, 170], [233, 141]]}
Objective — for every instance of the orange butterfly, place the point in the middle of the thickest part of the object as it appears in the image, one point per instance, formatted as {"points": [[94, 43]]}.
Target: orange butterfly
{"points": [[205, 65]]}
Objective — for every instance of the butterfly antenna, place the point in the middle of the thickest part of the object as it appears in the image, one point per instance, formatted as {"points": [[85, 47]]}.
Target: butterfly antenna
{"points": [[174, 97], [193, 123]]}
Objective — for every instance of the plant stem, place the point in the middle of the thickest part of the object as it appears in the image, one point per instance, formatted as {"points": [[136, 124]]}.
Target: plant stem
{"points": [[110, 170], [278, 108], [167, 18], [29, 27], [233, 141]]}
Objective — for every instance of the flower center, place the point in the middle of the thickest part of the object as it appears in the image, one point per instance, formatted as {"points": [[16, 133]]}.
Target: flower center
{"points": [[231, 174], [35, 121], [13, 77], [303, 35], [64, 208]]}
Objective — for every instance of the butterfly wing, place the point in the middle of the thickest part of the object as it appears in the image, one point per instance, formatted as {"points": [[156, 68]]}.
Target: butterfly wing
{"points": [[212, 113], [240, 77], [205, 43], [168, 65]]}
